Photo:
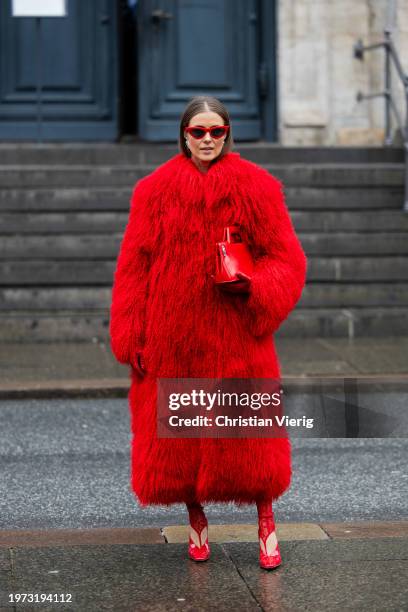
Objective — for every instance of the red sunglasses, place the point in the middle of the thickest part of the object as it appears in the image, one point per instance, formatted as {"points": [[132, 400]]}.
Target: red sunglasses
{"points": [[216, 131]]}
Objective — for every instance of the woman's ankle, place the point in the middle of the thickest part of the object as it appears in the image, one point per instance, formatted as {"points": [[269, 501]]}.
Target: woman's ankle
{"points": [[266, 522], [196, 515], [264, 508]]}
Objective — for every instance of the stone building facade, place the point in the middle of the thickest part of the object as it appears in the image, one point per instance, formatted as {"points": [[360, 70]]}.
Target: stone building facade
{"points": [[318, 76]]}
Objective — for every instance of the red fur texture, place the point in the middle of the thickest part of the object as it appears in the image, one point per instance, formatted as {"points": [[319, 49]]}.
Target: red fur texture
{"points": [[164, 303]]}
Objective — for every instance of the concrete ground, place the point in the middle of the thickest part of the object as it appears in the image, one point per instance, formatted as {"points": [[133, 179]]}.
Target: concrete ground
{"points": [[90, 367], [352, 565], [325, 567]]}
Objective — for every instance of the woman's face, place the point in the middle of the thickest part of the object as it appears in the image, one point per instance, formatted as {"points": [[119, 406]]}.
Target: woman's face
{"points": [[207, 148]]}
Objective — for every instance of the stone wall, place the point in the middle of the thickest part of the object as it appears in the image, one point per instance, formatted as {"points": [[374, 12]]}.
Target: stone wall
{"points": [[318, 77]]}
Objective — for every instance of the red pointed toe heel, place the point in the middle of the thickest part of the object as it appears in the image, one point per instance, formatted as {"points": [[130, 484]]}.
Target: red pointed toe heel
{"points": [[269, 553], [267, 559], [198, 546]]}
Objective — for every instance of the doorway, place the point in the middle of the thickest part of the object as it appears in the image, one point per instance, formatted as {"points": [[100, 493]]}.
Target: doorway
{"points": [[173, 50]]}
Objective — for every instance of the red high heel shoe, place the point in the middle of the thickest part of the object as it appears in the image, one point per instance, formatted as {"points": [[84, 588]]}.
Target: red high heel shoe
{"points": [[269, 553], [198, 546]]}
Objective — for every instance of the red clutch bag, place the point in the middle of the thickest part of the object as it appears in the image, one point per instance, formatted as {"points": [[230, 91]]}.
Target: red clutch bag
{"points": [[232, 256]]}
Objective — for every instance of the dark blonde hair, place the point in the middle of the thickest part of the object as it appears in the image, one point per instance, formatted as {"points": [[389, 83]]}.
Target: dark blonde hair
{"points": [[202, 104]]}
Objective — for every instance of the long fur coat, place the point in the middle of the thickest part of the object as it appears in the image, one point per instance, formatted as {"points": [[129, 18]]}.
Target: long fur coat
{"points": [[165, 304]]}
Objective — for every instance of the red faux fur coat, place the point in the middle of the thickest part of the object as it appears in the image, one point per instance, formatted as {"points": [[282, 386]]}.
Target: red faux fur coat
{"points": [[164, 303]]}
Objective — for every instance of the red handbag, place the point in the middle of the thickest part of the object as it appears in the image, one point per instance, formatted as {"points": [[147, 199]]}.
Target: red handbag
{"points": [[232, 256]]}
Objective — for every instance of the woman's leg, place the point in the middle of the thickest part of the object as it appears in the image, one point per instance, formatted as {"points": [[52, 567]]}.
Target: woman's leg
{"points": [[199, 549], [269, 554]]}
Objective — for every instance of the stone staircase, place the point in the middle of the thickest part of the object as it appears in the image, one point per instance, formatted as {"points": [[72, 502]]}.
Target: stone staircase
{"points": [[63, 209]]}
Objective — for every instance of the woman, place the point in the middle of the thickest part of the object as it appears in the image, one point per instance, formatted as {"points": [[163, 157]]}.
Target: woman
{"points": [[169, 319]]}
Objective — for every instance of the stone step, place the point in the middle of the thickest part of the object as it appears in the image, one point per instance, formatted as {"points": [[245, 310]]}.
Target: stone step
{"points": [[357, 269], [142, 153], [55, 298], [72, 176], [104, 222], [343, 198], [68, 199], [354, 243], [345, 323], [66, 325], [72, 247], [334, 269], [300, 175], [106, 246], [351, 221], [342, 295], [63, 209], [63, 222], [57, 273], [92, 198], [315, 295]]}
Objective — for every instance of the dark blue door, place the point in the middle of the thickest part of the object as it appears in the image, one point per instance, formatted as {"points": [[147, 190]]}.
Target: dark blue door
{"points": [[192, 47], [77, 79]]}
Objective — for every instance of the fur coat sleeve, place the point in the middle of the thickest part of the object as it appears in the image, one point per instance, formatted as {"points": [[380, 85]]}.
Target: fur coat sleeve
{"points": [[129, 292], [280, 269]]}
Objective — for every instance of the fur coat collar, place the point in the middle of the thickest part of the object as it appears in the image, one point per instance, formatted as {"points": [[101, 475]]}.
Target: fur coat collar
{"points": [[228, 178]]}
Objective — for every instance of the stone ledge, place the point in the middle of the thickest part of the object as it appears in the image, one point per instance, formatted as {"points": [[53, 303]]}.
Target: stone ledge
{"points": [[247, 533], [75, 537], [366, 529], [178, 534], [82, 388]]}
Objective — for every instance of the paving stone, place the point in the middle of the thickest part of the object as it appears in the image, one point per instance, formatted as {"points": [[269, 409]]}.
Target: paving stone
{"points": [[311, 358], [368, 529], [322, 576], [312, 350], [301, 531], [247, 533], [315, 575], [5, 580], [325, 551], [68, 361], [317, 368], [4, 561], [370, 355], [48, 389], [71, 537], [123, 578]]}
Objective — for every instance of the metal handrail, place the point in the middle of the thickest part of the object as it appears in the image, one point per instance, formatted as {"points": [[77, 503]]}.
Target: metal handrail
{"points": [[390, 54]]}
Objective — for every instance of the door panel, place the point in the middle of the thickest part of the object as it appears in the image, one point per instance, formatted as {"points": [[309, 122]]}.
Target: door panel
{"points": [[72, 60], [193, 47]]}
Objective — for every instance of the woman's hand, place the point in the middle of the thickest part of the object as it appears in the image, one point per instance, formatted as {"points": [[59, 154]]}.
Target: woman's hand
{"points": [[242, 286], [140, 365]]}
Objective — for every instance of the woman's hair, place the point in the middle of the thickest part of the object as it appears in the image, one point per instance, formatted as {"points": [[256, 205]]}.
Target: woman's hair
{"points": [[202, 104]]}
